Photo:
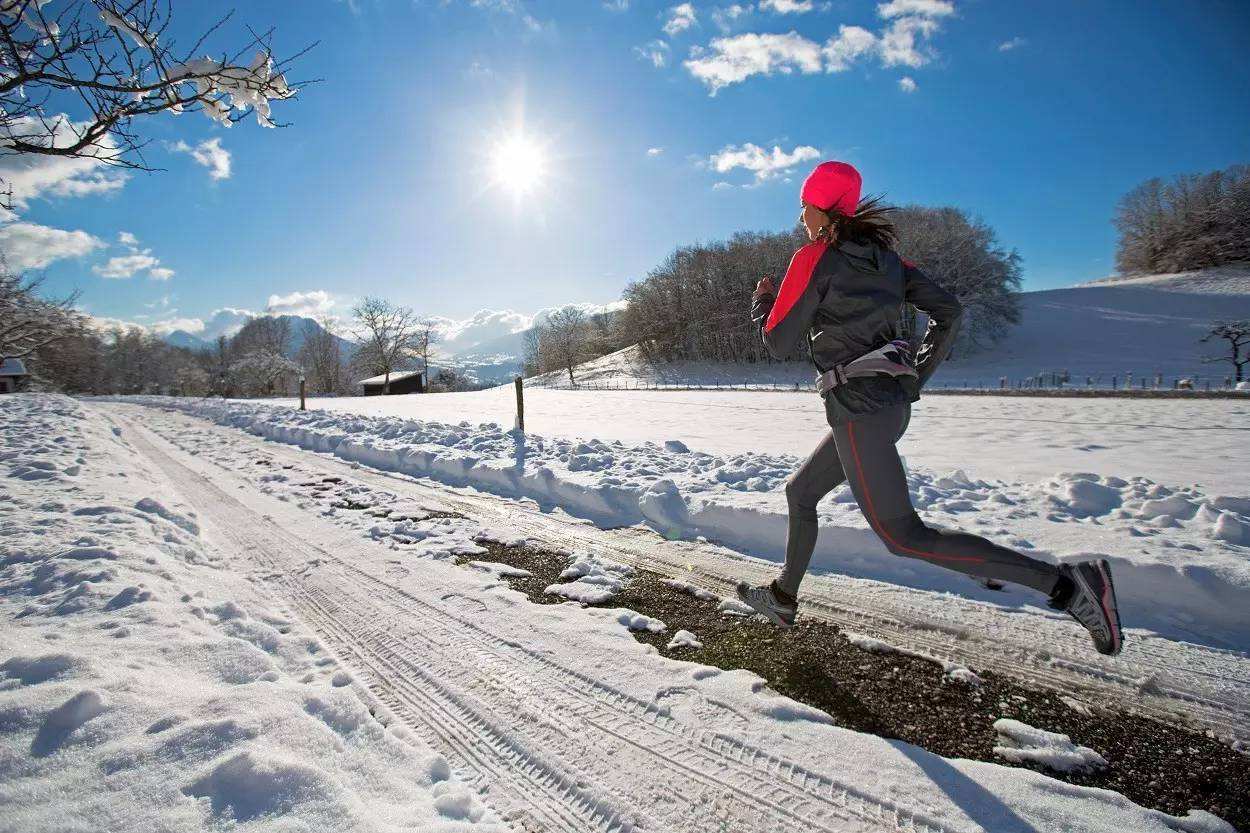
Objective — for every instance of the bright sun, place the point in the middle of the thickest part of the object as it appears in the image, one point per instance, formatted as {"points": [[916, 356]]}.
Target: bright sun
{"points": [[518, 164]]}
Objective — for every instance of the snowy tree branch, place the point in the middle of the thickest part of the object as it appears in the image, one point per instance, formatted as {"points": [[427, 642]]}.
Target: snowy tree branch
{"points": [[110, 64]]}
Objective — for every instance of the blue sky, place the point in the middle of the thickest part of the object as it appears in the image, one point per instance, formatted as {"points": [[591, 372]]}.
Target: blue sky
{"points": [[1035, 117]]}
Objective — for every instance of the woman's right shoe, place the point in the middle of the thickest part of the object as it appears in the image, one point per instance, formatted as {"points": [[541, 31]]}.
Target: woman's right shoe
{"points": [[1091, 602], [763, 601]]}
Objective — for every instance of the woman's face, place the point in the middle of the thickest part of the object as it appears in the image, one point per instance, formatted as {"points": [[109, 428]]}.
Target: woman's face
{"points": [[813, 220]]}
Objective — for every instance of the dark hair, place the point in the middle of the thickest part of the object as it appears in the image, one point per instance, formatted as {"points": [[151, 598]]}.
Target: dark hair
{"points": [[869, 224]]}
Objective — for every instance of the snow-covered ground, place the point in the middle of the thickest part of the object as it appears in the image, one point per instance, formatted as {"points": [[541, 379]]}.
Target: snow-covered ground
{"points": [[1016, 439], [201, 640], [148, 680], [1182, 534]]}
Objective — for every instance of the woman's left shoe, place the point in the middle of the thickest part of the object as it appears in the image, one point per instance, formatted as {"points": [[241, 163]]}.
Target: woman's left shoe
{"points": [[1091, 601], [763, 601]]}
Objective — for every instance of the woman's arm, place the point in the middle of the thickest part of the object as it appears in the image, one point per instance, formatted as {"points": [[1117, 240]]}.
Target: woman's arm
{"points": [[945, 313], [784, 322]]}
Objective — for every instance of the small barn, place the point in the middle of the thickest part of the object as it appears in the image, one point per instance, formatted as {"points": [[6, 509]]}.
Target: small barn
{"points": [[12, 375], [402, 381]]}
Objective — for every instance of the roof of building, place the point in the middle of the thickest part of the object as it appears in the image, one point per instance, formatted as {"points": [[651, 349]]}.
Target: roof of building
{"points": [[395, 377], [13, 367]]}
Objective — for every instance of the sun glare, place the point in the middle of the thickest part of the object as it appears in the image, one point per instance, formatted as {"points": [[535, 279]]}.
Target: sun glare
{"points": [[518, 164]]}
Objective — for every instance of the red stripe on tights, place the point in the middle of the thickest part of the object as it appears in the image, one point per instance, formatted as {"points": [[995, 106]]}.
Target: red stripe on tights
{"points": [[876, 523]]}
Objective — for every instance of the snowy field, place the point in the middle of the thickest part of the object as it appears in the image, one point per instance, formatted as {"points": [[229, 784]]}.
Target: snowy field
{"points": [[1177, 442], [194, 641], [1157, 486]]}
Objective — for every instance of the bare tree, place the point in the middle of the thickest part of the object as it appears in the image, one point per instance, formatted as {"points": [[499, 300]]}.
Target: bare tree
{"points": [[389, 336], [322, 354], [260, 371], [265, 333], [426, 338], [28, 322], [962, 254], [219, 363], [1194, 221], [118, 62], [564, 337], [1237, 334]]}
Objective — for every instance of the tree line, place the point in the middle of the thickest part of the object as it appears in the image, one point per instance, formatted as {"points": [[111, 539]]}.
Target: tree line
{"points": [[66, 350], [693, 306], [1193, 221]]}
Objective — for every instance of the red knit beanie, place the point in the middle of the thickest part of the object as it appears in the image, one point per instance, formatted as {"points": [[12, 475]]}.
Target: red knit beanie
{"points": [[833, 186]]}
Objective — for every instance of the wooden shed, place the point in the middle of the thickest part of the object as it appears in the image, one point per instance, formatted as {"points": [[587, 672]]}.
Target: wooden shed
{"points": [[402, 381], [12, 375]]}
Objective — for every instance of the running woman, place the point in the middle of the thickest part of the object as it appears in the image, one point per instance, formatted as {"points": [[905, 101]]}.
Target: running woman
{"points": [[844, 291]]}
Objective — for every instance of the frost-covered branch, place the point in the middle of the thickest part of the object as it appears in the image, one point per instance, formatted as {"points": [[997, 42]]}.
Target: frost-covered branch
{"points": [[29, 322], [77, 77]]}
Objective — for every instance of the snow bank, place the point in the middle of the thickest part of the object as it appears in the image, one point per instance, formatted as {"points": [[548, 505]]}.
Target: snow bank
{"points": [[1178, 543], [144, 687]]}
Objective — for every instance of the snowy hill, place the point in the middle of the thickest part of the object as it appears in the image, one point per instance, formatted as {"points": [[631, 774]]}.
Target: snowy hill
{"points": [[1109, 327], [1141, 325]]}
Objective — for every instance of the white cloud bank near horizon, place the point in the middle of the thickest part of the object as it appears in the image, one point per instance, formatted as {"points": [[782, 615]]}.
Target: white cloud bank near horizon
{"points": [[456, 336]]}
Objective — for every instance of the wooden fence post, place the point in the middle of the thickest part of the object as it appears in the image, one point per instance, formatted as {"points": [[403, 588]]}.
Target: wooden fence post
{"points": [[520, 405], [302, 407]]}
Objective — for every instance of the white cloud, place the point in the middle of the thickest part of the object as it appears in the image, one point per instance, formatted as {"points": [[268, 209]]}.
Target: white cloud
{"points": [[787, 6], [680, 18], [125, 266], [33, 175], [616, 5], [226, 322], [721, 186], [457, 336], [899, 42], [1014, 43], [735, 59], [765, 164], [168, 325], [907, 84], [920, 8], [654, 151], [208, 153], [725, 16], [902, 42], [316, 302], [844, 48], [656, 52], [32, 246]]}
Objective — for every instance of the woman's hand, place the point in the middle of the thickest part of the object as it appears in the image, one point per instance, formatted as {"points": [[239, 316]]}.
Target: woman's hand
{"points": [[764, 287]]}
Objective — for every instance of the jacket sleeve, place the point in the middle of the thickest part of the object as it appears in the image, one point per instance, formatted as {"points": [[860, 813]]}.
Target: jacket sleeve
{"points": [[944, 312], [784, 321]]}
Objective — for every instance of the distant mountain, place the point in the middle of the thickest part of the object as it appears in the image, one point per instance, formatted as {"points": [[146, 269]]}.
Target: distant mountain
{"points": [[301, 329], [181, 338]]}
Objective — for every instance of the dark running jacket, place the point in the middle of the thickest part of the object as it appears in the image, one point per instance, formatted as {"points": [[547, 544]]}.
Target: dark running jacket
{"points": [[847, 299]]}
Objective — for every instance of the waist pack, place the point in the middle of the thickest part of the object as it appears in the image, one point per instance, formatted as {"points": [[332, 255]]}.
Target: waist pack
{"points": [[894, 359]]}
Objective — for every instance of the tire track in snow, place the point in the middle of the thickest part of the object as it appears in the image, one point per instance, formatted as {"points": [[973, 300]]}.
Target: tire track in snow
{"points": [[414, 685], [1157, 677]]}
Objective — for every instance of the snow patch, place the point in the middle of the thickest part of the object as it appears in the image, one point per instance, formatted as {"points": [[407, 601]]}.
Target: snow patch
{"points": [[1021, 743]]}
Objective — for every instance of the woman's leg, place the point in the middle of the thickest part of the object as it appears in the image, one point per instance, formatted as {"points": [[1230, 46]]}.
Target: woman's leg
{"points": [[819, 475], [866, 449]]}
